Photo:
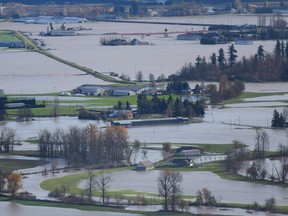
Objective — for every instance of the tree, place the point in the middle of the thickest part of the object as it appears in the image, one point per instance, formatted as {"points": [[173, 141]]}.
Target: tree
{"points": [[164, 187], [134, 8], [270, 204], [278, 120], [176, 191], [139, 76], [232, 55], [166, 150], [7, 138], [221, 58], [213, 59], [103, 180], [260, 53], [14, 183], [24, 114], [91, 185], [2, 181], [235, 157], [261, 145], [277, 49], [169, 187], [282, 170], [2, 108], [152, 79], [205, 197]]}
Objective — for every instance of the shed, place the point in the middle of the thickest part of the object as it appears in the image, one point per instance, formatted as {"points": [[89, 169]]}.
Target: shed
{"points": [[145, 165]]}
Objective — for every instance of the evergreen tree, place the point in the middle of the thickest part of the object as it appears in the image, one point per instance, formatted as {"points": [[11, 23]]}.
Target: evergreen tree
{"points": [[213, 59], [277, 50], [232, 55], [260, 53], [221, 58], [198, 61]]}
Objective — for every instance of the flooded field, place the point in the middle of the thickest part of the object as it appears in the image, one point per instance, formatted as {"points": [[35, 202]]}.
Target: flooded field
{"points": [[166, 56]]}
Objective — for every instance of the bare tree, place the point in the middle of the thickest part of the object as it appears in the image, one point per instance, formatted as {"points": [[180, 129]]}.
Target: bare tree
{"points": [[261, 145], [54, 164], [91, 185], [176, 190], [103, 180], [164, 187], [282, 170], [139, 76], [7, 139], [169, 187]]}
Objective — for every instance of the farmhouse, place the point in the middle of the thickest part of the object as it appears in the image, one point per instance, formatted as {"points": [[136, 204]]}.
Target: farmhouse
{"points": [[144, 166]]}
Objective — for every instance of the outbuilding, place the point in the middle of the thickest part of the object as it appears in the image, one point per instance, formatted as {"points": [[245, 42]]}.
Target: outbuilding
{"points": [[145, 165]]}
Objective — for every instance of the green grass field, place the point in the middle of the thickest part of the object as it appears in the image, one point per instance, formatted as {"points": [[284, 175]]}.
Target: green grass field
{"points": [[8, 36]]}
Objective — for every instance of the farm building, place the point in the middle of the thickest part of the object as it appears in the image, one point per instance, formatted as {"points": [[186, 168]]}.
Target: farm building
{"points": [[188, 151], [144, 166], [114, 90]]}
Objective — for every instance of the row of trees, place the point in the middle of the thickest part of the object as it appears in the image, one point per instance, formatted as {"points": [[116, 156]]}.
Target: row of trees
{"points": [[169, 106], [87, 144], [259, 67]]}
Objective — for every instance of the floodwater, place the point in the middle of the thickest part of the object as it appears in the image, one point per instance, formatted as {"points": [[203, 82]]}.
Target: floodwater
{"points": [[166, 56], [13, 209], [28, 72]]}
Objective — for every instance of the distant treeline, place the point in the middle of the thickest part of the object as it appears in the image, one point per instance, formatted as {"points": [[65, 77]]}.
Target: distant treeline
{"points": [[260, 67]]}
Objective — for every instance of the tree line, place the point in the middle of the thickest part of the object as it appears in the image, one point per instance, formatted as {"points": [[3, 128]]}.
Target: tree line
{"points": [[260, 67], [86, 145], [169, 107]]}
